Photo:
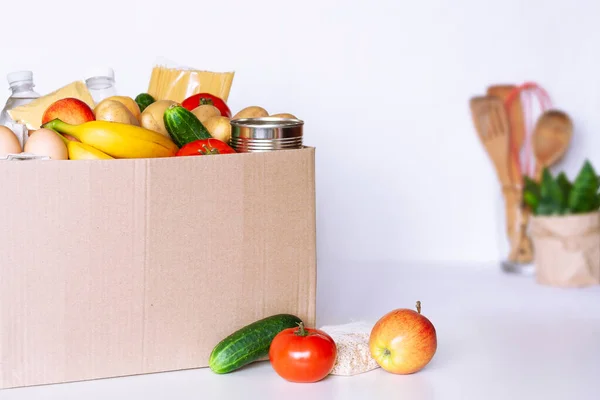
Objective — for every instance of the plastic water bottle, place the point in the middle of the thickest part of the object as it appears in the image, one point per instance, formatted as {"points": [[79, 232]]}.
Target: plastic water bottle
{"points": [[21, 86], [100, 81]]}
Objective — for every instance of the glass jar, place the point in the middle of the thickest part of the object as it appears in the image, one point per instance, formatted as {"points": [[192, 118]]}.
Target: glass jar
{"points": [[514, 241]]}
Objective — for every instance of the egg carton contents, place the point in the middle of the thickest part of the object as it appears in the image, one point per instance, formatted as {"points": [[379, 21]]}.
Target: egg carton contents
{"points": [[23, 157]]}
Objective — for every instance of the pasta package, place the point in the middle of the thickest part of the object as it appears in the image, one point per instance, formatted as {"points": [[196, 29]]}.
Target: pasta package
{"points": [[176, 83]]}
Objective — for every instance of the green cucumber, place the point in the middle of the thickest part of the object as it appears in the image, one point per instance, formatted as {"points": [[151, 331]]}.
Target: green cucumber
{"points": [[249, 344], [183, 126], [143, 100]]}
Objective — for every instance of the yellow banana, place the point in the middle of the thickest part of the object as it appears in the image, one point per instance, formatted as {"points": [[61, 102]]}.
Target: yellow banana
{"points": [[82, 151], [118, 140]]}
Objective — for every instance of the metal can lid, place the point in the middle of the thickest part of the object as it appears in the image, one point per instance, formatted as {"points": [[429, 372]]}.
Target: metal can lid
{"points": [[266, 128]]}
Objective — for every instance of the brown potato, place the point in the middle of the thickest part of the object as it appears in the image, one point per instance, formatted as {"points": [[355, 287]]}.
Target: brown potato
{"points": [[114, 111], [205, 111], [128, 102], [219, 128], [284, 115], [152, 117], [251, 112]]}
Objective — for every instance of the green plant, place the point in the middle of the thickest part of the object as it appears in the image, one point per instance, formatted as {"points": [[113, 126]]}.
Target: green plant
{"points": [[558, 196]]}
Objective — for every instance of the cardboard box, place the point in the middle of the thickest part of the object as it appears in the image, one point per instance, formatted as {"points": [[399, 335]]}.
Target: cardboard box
{"points": [[122, 267]]}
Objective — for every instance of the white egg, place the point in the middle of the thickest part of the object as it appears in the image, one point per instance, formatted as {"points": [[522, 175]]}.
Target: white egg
{"points": [[46, 142], [9, 143]]}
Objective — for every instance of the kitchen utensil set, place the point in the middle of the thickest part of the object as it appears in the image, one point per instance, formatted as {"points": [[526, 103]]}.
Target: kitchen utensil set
{"points": [[503, 119]]}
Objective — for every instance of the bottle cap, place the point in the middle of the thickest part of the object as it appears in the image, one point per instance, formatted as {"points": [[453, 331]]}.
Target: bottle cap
{"points": [[100, 72], [19, 76]]}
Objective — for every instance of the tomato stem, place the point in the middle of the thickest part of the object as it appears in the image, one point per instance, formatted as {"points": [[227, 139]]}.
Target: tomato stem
{"points": [[204, 101], [419, 307], [301, 331]]}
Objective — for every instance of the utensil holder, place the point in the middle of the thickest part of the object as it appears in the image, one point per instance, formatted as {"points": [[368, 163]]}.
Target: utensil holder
{"points": [[514, 242]]}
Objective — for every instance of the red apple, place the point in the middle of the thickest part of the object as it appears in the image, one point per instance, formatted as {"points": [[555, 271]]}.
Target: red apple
{"points": [[70, 110], [403, 341]]}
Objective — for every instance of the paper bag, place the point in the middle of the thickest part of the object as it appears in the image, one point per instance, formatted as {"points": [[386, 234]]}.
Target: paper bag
{"points": [[567, 249]]}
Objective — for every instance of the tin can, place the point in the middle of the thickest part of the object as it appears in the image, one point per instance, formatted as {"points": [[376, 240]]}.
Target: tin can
{"points": [[266, 134]]}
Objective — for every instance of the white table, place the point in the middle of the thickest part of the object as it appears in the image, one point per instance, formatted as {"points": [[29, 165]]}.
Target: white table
{"points": [[499, 337]]}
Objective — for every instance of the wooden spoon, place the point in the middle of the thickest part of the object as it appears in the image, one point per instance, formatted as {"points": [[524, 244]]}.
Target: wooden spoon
{"points": [[551, 139]]}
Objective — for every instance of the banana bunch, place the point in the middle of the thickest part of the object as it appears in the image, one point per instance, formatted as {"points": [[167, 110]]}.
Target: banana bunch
{"points": [[106, 140]]}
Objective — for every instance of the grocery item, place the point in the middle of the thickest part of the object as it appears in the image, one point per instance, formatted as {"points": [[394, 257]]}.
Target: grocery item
{"points": [[353, 354], [219, 128], [302, 354], [71, 110], [251, 112], [9, 143], [82, 151], [183, 126], [21, 86], [206, 98], [31, 114], [46, 142], [143, 100], [100, 81], [128, 102], [249, 343], [178, 83], [205, 147], [266, 134], [205, 112], [283, 115], [403, 341], [117, 139], [114, 111], [153, 116]]}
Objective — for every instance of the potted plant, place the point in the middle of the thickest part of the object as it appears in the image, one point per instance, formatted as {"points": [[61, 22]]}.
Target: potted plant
{"points": [[565, 227]]}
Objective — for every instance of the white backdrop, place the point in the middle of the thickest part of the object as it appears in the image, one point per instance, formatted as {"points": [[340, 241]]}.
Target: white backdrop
{"points": [[382, 85]]}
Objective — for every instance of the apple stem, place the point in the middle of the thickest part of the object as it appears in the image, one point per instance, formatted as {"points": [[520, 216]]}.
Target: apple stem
{"points": [[419, 307]]}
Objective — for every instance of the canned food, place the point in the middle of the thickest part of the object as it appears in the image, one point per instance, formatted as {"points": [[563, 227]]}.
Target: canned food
{"points": [[266, 134]]}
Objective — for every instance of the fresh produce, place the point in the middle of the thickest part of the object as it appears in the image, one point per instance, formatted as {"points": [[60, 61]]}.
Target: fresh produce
{"points": [[251, 112], [183, 126], [118, 140], [558, 196], [143, 100], [129, 103], [403, 341], [205, 147], [46, 142], [9, 144], [82, 151], [114, 111], [153, 116], [302, 354], [219, 128], [206, 98], [249, 343], [71, 110], [284, 115], [205, 112]]}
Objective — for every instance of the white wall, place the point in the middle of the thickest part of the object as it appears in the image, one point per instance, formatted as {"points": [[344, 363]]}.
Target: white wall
{"points": [[382, 85]]}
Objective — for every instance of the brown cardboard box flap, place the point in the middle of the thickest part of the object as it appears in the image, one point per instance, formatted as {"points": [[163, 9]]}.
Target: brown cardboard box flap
{"points": [[567, 249], [121, 267]]}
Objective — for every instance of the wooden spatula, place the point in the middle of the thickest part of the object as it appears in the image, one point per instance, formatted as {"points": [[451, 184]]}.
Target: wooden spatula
{"points": [[492, 125], [516, 123]]}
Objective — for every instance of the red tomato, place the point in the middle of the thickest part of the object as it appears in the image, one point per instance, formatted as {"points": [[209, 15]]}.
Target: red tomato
{"points": [[206, 98], [205, 147], [302, 354]]}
